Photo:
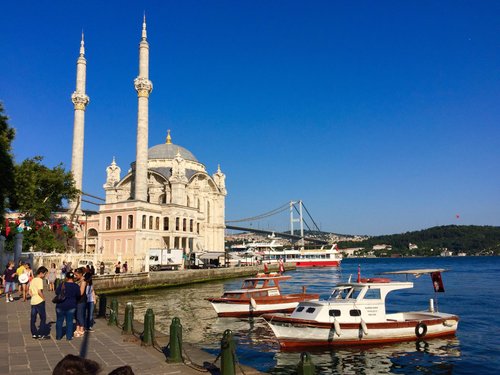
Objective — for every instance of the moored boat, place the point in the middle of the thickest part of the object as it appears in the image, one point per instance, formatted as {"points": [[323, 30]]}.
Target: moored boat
{"points": [[259, 295], [355, 314], [319, 257]]}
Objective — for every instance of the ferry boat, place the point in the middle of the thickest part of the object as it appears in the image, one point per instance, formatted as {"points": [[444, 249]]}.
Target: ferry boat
{"points": [[355, 314], [322, 257], [259, 295]]}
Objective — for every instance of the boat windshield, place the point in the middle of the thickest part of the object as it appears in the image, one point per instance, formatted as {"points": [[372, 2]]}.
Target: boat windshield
{"points": [[345, 292], [342, 292]]}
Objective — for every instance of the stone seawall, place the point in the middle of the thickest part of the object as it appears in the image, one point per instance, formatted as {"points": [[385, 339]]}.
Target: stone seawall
{"points": [[132, 282]]}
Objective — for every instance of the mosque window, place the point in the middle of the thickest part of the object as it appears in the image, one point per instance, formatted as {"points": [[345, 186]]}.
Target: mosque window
{"points": [[184, 224], [143, 221], [118, 222], [151, 222], [177, 223], [157, 223], [108, 223], [130, 221], [198, 228], [165, 223], [191, 225]]}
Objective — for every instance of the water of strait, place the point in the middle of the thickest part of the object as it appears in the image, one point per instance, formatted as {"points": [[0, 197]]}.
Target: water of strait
{"points": [[472, 292]]}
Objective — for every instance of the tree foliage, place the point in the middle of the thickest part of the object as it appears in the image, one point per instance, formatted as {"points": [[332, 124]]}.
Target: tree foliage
{"points": [[6, 160], [470, 239], [40, 190]]}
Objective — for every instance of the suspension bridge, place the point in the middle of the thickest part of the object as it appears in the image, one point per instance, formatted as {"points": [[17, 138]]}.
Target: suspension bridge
{"points": [[295, 208]]}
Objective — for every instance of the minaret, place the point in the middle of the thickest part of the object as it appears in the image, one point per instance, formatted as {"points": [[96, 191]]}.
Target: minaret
{"points": [[80, 101], [143, 86]]}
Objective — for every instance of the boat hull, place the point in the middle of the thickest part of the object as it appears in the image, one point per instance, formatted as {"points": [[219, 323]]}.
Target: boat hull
{"points": [[226, 307], [298, 333]]}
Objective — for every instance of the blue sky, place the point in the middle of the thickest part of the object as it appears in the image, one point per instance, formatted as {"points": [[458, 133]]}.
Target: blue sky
{"points": [[382, 116]]}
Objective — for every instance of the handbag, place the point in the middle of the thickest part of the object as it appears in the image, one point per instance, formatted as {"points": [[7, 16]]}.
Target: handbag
{"points": [[61, 297]]}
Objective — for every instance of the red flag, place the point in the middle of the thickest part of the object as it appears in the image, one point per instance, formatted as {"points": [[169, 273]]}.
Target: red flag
{"points": [[437, 282], [7, 227]]}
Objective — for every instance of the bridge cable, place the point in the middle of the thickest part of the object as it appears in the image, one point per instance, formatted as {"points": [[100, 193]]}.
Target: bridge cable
{"points": [[262, 216]]}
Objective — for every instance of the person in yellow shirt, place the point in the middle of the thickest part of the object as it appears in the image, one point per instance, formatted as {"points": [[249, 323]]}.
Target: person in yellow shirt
{"points": [[20, 270], [38, 304]]}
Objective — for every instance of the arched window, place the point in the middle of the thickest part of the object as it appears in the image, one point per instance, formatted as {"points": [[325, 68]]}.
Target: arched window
{"points": [[130, 221], [108, 223], [177, 223], [118, 222], [92, 233], [198, 228], [184, 224], [157, 223], [165, 223], [143, 221], [191, 225], [151, 222]]}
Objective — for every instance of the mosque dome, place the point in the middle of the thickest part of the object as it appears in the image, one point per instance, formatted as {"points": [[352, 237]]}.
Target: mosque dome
{"points": [[168, 150]]}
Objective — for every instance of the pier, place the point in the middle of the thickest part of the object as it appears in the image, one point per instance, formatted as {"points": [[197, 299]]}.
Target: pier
{"points": [[132, 282]]}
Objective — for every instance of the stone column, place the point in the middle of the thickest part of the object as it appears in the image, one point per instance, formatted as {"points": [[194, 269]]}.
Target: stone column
{"points": [[143, 86], [80, 101], [18, 247]]}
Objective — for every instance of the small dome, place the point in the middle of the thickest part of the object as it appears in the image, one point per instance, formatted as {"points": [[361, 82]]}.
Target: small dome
{"points": [[169, 151]]}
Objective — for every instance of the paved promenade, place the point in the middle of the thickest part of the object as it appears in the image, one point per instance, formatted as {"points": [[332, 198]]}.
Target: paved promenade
{"points": [[20, 354]]}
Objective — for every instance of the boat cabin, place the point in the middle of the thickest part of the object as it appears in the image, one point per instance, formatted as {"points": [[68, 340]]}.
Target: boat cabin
{"points": [[350, 301], [258, 287]]}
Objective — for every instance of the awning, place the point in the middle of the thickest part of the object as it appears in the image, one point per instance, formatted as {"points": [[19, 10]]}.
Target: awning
{"points": [[212, 255]]}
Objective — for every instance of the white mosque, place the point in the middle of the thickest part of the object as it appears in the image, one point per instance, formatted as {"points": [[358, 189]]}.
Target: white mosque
{"points": [[166, 200]]}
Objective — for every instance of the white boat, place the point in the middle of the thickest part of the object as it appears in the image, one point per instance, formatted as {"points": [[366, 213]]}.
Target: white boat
{"points": [[322, 257], [355, 314], [259, 295]]}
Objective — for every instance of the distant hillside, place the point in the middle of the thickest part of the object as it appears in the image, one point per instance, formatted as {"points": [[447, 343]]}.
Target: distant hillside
{"points": [[471, 239]]}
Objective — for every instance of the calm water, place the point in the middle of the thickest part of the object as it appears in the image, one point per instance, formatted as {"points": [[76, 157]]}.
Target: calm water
{"points": [[472, 292]]}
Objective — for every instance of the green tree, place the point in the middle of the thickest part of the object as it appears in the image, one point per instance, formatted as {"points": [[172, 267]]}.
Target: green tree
{"points": [[39, 190], [6, 161]]}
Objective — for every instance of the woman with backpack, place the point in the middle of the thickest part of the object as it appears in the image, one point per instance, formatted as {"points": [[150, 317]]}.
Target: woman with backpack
{"points": [[69, 292]]}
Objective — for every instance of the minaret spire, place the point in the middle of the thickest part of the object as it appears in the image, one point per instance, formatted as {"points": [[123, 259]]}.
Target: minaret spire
{"points": [[80, 101], [144, 32], [82, 46], [143, 86]]}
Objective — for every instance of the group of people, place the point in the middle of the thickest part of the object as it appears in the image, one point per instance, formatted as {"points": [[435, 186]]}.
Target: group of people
{"points": [[20, 277], [75, 302]]}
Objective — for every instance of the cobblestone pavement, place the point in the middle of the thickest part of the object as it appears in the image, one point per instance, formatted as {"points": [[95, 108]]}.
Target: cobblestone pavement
{"points": [[21, 354]]}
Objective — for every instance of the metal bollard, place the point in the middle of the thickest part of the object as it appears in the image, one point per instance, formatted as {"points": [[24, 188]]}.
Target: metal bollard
{"points": [[128, 328], [228, 352], [305, 366], [148, 336], [175, 341], [113, 313], [102, 306]]}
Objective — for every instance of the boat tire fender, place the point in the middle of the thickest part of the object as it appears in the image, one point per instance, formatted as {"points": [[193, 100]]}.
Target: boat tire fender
{"points": [[421, 330]]}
